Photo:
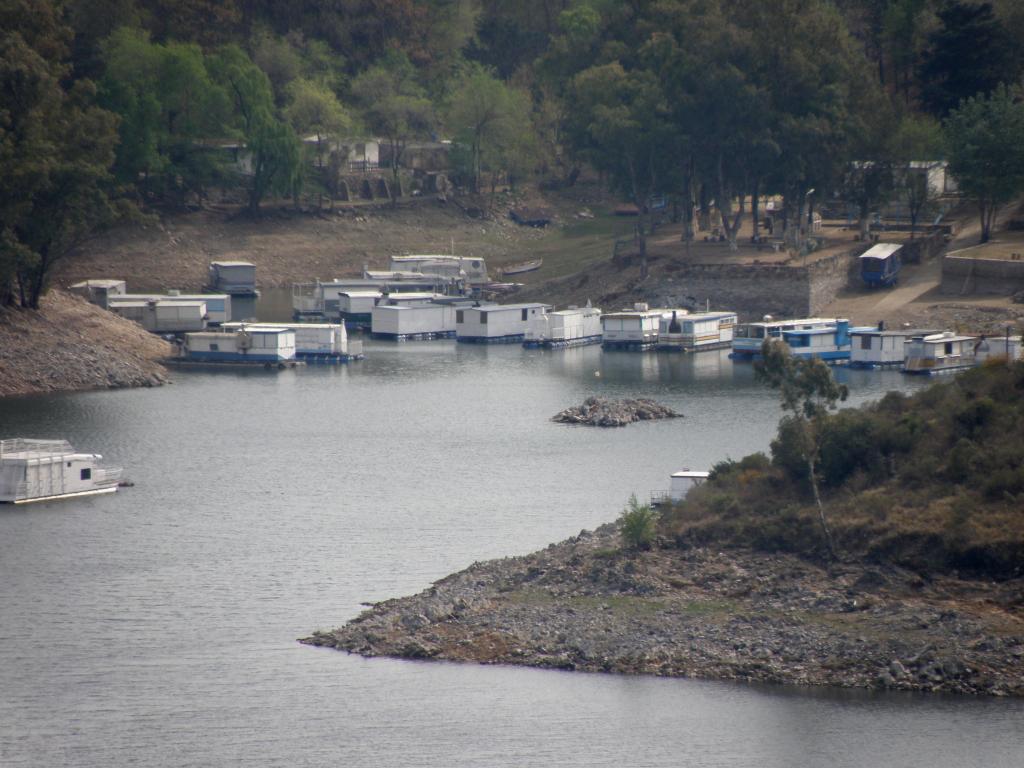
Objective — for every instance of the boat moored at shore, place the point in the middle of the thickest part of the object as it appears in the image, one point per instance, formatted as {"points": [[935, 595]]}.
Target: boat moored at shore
{"points": [[696, 332], [940, 353], [634, 329], [572, 327], [43, 470], [749, 337], [496, 323]]}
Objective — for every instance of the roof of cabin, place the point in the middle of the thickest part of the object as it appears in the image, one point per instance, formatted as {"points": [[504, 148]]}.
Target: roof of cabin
{"points": [[881, 251]]}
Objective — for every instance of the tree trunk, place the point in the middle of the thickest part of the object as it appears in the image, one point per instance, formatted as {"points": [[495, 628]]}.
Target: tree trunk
{"points": [[755, 210], [829, 543]]}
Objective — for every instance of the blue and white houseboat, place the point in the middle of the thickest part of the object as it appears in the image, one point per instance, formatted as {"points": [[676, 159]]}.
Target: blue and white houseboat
{"points": [[314, 342], [696, 331], [636, 329], [940, 353], [749, 337], [41, 470], [572, 327], [831, 343], [496, 323], [268, 345]]}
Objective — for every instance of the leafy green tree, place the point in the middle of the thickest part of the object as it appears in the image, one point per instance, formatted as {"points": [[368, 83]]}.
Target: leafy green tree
{"points": [[275, 149], [808, 392], [985, 140], [314, 109], [394, 105], [638, 524], [970, 53], [56, 148], [918, 138]]}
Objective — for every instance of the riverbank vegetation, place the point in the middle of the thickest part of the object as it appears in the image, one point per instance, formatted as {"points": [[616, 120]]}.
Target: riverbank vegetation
{"points": [[932, 481], [116, 106]]}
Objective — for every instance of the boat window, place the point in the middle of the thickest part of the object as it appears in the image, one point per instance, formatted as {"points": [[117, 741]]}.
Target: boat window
{"points": [[949, 348], [524, 315], [214, 348], [87, 473], [459, 316], [69, 463], [483, 318], [865, 342]]}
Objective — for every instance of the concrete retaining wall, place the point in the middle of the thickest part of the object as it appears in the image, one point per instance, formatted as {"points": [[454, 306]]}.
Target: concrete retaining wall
{"points": [[755, 290], [964, 274]]}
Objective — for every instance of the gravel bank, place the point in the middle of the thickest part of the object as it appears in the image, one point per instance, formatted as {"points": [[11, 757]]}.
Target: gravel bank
{"points": [[69, 344], [585, 604]]}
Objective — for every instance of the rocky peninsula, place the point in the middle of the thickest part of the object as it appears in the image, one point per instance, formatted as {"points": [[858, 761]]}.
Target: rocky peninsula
{"points": [[69, 344], [588, 604], [606, 412]]}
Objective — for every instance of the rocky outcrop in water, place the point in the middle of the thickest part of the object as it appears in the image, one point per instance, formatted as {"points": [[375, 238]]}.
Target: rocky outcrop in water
{"points": [[605, 412], [587, 604]]}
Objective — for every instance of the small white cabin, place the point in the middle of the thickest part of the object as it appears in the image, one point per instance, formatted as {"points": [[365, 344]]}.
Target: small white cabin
{"points": [[264, 344], [495, 323], [879, 348], [235, 277], [573, 327], [39, 470], [684, 481], [940, 352], [697, 331], [218, 305], [634, 329], [159, 316]]}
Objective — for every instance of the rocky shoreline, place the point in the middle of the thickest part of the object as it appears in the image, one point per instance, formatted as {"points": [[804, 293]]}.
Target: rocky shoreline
{"points": [[69, 344], [605, 412], [587, 604]]}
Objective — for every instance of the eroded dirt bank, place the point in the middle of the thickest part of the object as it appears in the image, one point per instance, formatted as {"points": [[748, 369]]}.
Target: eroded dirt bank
{"points": [[69, 344]]}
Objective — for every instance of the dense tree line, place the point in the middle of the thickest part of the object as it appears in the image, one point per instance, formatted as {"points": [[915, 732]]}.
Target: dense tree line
{"points": [[115, 106]]}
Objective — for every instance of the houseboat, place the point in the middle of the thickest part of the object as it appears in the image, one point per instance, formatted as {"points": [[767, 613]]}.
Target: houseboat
{"points": [[237, 278], [41, 470], [880, 265], [831, 343], [999, 347], [940, 353], [749, 337], [99, 292], [880, 348], [319, 300], [314, 342], [354, 308], [696, 332], [218, 305], [160, 316], [680, 484], [572, 327], [495, 323], [268, 345], [471, 269], [635, 329]]}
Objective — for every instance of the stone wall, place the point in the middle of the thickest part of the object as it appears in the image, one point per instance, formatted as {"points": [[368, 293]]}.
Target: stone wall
{"points": [[964, 274], [755, 290]]}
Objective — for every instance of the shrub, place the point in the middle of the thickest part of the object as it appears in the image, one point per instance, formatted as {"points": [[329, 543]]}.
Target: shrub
{"points": [[638, 524]]}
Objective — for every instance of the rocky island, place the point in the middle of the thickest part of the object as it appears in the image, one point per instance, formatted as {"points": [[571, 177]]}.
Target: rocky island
{"points": [[605, 412]]}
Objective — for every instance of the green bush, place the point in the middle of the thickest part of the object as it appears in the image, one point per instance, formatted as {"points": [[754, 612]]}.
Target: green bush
{"points": [[638, 525]]}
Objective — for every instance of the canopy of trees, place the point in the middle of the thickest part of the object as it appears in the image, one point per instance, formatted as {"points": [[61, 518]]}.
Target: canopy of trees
{"points": [[109, 105]]}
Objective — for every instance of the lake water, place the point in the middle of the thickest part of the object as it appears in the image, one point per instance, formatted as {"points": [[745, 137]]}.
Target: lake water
{"points": [[157, 626]]}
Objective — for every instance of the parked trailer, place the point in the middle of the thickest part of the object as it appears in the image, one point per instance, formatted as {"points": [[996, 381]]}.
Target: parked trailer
{"points": [[880, 265], [495, 323], [573, 327]]}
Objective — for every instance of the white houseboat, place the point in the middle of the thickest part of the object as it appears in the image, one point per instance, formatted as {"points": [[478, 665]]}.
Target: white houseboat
{"points": [[940, 353], [314, 342], [573, 327], [218, 305], [99, 292], [880, 348], [160, 316], [237, 278], [697, 331], [40, 470], [680, 484], [831, 343], [472, 270], [269, 345], [321, 300], [635, 329], [749, 337], [495, 323], [995, 347]]}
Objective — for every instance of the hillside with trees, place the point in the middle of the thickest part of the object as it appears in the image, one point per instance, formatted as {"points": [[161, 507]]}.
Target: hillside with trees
{"points": [[114, 110]]}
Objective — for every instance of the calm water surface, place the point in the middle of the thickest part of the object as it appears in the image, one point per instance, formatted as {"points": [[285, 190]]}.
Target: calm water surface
{"points": [[157, 626]]}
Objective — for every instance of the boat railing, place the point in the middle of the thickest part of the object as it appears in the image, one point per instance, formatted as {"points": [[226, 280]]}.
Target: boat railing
{"points": [[106, 476], [24, 445], [661, 497]]}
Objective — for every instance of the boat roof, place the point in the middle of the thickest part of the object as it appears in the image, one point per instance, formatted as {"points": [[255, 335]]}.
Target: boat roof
{"points": [[691, 473], [231, 264], [577, 311], [939, 338], [360, 294], [98, 283], [169, 296], [410, 295], [795, 321], [239, 325], [645, 312], [881, 251], [525, 305], [892, 332], [708, 315], [118, 302]]}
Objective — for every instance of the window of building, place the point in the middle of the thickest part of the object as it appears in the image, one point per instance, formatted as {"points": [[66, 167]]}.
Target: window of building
{"points": [[865, 342], [524, 315], [949, 348], [87, 473], [459, 317], [483, 318], [214, 348]]}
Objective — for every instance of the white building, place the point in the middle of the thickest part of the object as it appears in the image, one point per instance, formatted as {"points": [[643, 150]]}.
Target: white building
{"points": [[237, 278], [99, 292], [161, 316], [635, 329], [495, 323], [939, 353], [573, 327], [314, 342], [218, 305], [264, 344], [696, 332]]}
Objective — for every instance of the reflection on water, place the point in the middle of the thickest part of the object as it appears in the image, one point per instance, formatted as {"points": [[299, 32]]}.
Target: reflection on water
{"points": [[157, 626]]}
